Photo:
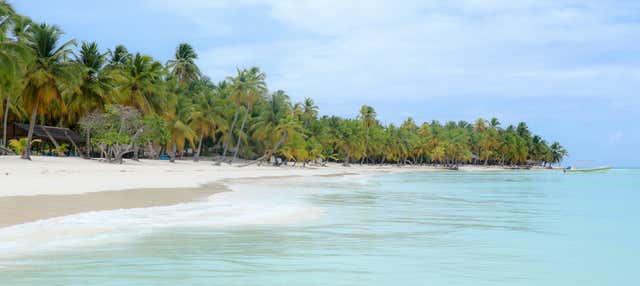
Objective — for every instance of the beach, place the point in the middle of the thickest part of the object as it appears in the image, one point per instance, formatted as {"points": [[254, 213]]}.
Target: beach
{"points": [[49, 187]]}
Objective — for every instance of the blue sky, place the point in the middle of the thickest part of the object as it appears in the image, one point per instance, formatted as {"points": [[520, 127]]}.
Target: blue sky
{"points": [[569, 68]]}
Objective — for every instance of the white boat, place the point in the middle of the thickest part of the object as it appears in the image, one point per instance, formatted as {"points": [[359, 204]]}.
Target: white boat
{"points": [[586, 170]]}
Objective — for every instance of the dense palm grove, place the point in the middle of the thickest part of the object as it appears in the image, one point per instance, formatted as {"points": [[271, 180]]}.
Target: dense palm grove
{"points": [[129, 104]]}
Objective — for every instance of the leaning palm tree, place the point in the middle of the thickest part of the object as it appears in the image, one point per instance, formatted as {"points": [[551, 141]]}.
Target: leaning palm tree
{"points": [[48, 77], [287, 128], [253, 88], [183, 66], [276, 109], [235, 87]]}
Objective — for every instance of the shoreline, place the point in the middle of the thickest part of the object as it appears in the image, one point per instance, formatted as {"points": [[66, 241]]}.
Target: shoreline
{"points": [[50, 187], [17, 210]]}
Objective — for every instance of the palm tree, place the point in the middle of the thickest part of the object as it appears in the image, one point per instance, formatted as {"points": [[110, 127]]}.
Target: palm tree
{"points": [[276, 121], [140, 84], [309, 111], [205, 118], [494, 123], [251, 87], [179, 131], [557, 152], [347, 137], [368, 118], [97, 83], [232, 86], [48, 77], [183, 66], [118, 57], [14, 57]]}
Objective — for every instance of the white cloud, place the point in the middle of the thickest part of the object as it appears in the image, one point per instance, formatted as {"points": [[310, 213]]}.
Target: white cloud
{"points": [[407, 50]]}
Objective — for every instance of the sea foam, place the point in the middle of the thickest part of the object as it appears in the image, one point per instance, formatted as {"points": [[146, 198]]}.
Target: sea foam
{"points": [[246, 205]]}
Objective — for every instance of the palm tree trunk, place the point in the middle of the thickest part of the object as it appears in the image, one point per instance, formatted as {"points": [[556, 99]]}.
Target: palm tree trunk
{"points": [[196, 158], [26, 153], [267, 155], [75, 146], [346, 161], [366, 146], [53, 140], [280, 141], [5, 118], [88, 144], [227, 140], [235, 153], [173, 152]]}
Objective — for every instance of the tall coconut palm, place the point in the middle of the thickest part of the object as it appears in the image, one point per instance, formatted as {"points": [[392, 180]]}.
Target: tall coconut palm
{"points": [[141, 84], [368, 119], [183, 66], [176, 116], [287, 128], [557, 152], [309, 111], [14, 57], [237, 88], [251, 86], [276, 111], [205, 118], [48, 77], [235, 96], [494, 123], [97, 83], [118, 57]]}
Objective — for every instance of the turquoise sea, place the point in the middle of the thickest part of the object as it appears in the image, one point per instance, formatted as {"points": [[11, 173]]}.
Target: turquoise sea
{"points": [[420, 228]]}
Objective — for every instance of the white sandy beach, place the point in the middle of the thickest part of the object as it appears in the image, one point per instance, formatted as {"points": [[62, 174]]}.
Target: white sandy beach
{"points": [[51, 187], [65, 176]]}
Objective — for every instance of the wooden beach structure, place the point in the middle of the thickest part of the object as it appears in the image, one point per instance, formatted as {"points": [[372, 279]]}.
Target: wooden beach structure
{"points": [[51, 136]]}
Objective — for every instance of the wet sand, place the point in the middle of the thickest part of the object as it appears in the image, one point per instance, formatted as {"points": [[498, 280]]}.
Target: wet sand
{"points": [[22, 209]]}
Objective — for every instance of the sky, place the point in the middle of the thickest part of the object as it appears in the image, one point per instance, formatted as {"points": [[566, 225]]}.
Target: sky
{"points": [[569, 68]]}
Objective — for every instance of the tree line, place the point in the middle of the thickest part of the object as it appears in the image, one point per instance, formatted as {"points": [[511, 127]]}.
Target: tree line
{"points": [[127, 104]]}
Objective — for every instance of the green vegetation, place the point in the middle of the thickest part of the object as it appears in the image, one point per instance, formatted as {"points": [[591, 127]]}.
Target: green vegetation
{"points": [[128, 104]]}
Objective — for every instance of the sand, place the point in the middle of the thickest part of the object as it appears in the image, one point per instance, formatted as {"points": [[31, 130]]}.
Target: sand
{"points": [[23, 209]]}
